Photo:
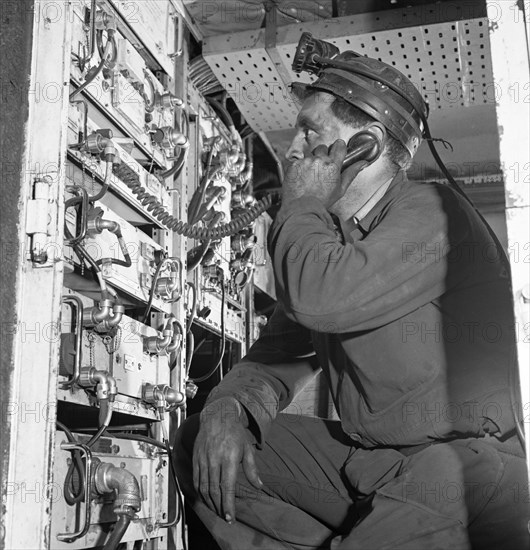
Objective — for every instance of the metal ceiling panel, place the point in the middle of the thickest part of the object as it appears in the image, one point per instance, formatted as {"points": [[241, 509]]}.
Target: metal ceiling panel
{"points": [[252, 80], [448, 60]]}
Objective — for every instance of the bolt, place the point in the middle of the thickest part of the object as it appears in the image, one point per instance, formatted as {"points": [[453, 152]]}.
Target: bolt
{"points": [[139, 366], [118, 358], [115, 449], [122, 464]]}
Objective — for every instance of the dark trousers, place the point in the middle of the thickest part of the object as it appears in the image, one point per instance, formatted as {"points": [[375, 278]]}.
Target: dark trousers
{"points": [[321, 492]]}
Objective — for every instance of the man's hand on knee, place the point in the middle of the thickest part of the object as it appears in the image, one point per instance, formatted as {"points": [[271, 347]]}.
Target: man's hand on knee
{"points": [[223, 442]]}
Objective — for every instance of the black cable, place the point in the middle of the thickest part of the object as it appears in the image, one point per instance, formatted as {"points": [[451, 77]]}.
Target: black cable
{"points": [[123, 247], [186, 119], [190, 349], [193, 306], [117, 533], [110, 41], [96, 71], [175, 479], [223, 339], [153, 290], [136, 437], [104, 188], [221, 111], [198, 196], [81, 252], [182, 510], [112, 432], [77, 463], [100, 194], [176, 169], [196, 255], [104, 410]]}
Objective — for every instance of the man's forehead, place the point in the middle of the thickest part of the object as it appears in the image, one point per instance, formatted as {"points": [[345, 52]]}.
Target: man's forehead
{"points": [[315, 109]]}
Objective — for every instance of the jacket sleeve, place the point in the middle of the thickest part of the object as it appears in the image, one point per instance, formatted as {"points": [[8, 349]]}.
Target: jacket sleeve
{"points": [[402, 264], [276, 368]]}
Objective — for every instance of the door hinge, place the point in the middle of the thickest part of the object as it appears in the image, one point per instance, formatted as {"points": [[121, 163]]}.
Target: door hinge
{"points": [[38, 219]]}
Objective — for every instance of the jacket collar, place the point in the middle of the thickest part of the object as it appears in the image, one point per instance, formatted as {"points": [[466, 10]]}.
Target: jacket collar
{"points": [[363, 226]]}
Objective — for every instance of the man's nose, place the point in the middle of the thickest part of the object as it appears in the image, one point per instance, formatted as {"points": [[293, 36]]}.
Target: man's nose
{"points": [[295, 151]]}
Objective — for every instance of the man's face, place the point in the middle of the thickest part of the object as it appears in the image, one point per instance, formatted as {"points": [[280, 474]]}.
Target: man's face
{"points": [[316, 125]]}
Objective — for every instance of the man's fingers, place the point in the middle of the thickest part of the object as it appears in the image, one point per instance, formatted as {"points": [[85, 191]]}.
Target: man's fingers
{"points": [[214, 488], [228, 488], [338, 151], [204, 485], [196, 471], [249, 467], [321, 151], [200, 470]]}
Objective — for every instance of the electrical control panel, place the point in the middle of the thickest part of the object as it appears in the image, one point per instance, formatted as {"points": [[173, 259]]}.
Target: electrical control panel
{"points": [[81, 525], [153, 252]]}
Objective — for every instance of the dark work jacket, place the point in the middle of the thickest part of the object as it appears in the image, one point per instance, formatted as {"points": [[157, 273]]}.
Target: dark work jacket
{"points": [[410, 318]]}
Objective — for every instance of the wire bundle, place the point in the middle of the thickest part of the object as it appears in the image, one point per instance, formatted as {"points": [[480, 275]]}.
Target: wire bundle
{"points": [[203, 77]]}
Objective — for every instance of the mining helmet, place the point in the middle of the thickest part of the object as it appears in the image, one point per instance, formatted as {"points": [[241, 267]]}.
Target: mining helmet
{"points": [[374, 87]]}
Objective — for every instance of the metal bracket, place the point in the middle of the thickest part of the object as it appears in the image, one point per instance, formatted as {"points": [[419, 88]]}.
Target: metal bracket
{"points": [[270, 41], [80, 192], [75, 301]]}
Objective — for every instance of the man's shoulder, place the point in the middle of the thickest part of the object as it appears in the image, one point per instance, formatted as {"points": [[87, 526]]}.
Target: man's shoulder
{"points": [[432, 196], [427, 190], [427, 203]]}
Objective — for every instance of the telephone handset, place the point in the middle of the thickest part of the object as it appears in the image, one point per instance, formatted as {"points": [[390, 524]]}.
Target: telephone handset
{"points": [[364, 145]]}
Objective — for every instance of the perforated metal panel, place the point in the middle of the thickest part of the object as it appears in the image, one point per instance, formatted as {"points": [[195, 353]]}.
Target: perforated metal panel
{"points": [[251, 79], [449, 62]]}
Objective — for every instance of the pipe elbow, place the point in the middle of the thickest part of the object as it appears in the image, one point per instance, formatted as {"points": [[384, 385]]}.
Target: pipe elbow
{"points": [[117, 313], [176, 342], [106, 386], [110, 479], [97, 314], [156, 345], [109, 225]]}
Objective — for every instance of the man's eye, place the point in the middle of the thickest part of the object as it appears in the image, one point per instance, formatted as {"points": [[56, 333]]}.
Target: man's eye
{"points": [[308, 135]]}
